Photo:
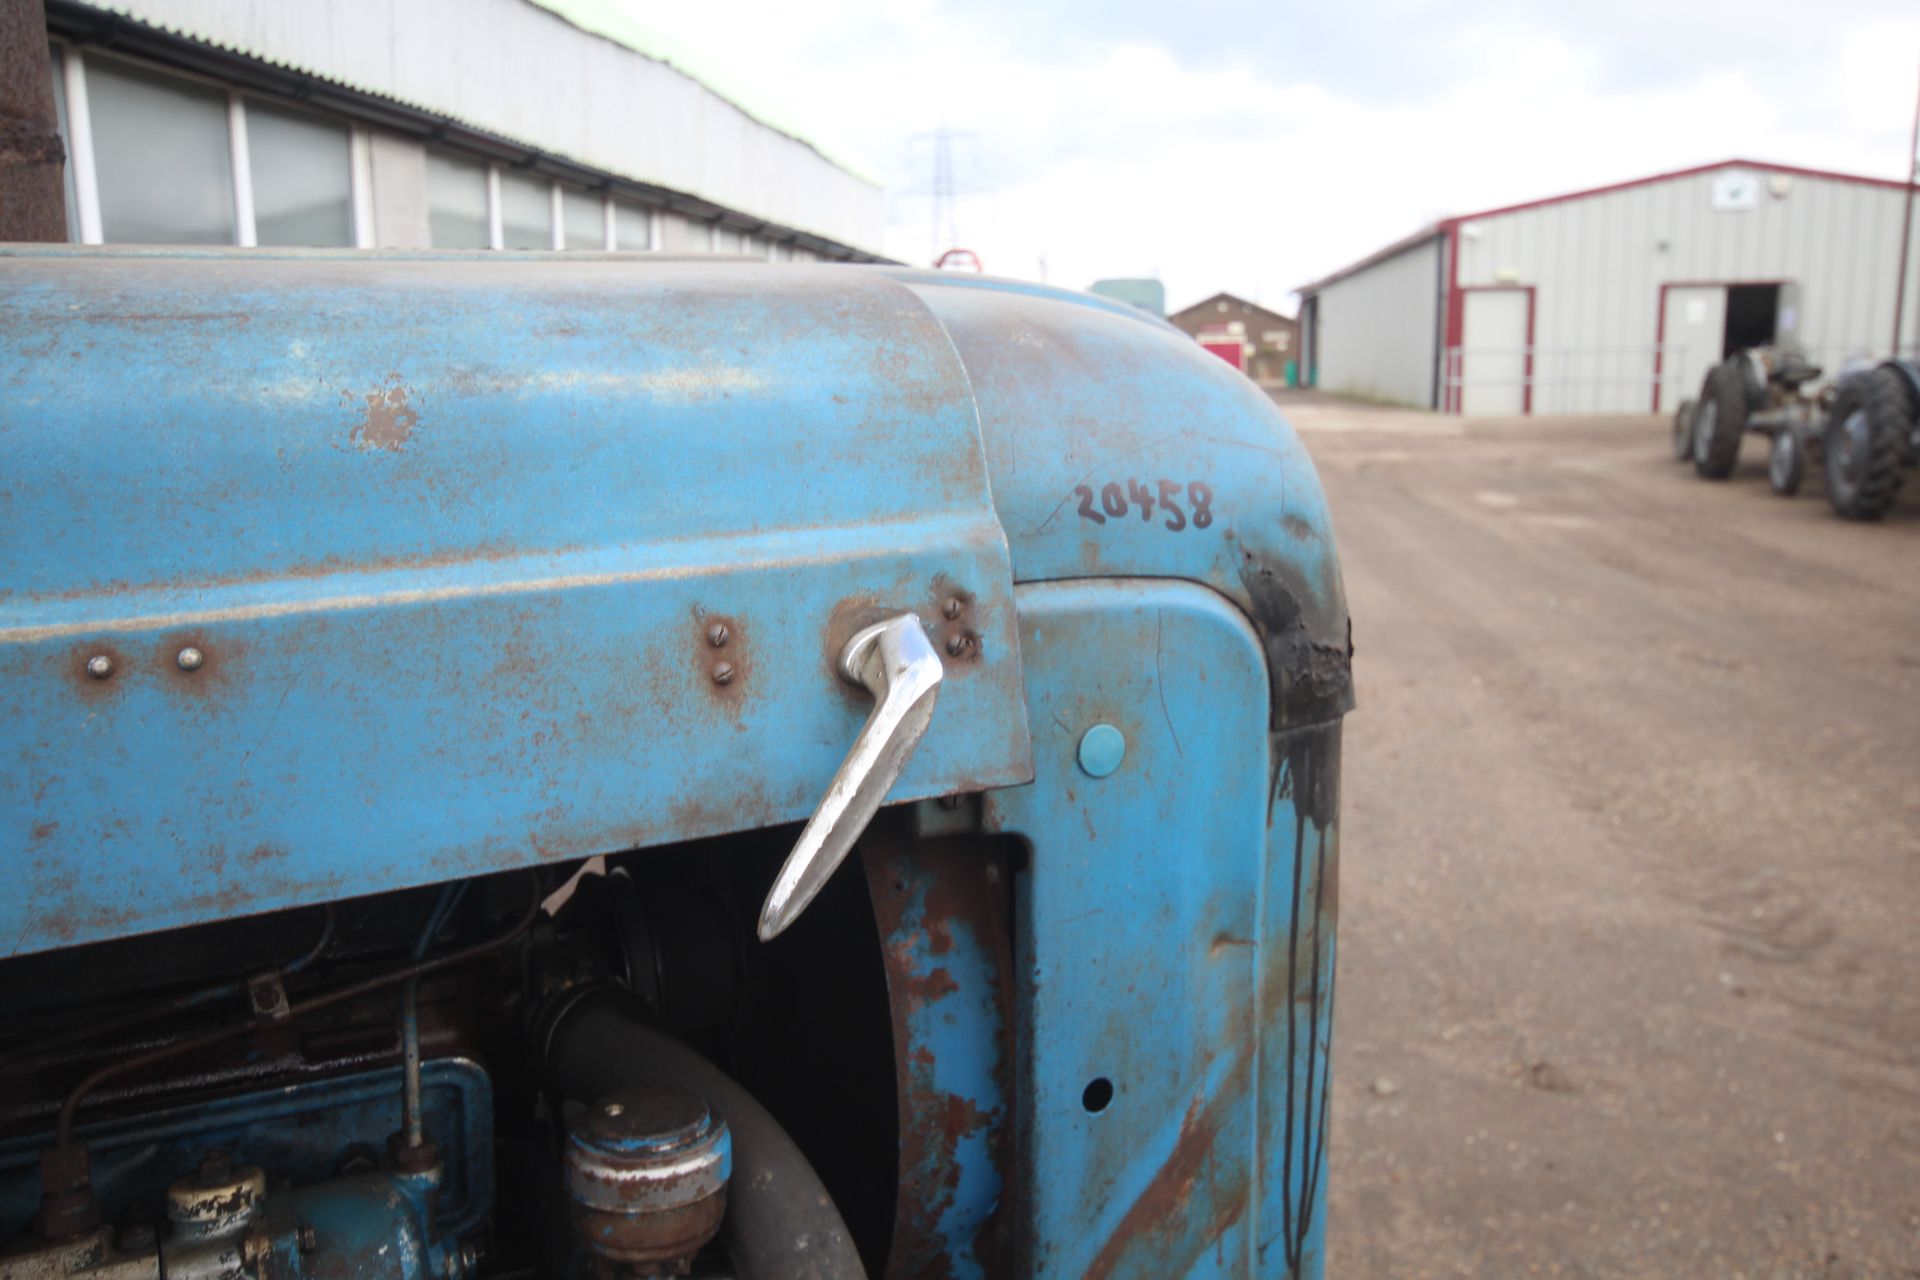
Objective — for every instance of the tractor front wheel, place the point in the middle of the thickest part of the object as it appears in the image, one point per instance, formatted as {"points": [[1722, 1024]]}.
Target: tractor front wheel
{"points": [[1719, 422], [1683, 430], [1786, 463]]}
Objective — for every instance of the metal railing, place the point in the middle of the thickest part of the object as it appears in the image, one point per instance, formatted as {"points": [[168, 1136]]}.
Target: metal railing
{"points": [[1650, 377], [1613, 379]]}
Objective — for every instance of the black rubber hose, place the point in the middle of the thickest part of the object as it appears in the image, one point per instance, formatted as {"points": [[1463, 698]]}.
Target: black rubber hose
{"points": [[781, 1224]]}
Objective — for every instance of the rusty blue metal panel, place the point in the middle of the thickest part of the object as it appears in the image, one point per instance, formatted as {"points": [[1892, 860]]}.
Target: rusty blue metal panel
{"points": [[942, 908], [1166, 1124], [1116, 446], [450, 534]]}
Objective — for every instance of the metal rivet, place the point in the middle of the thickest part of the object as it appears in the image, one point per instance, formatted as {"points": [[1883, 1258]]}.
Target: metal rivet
{"points": [[190, 659], [99, 666], [722, 672], [613, 1109], [717, 634], [1102, 748], [956, 645], [952, 607]]}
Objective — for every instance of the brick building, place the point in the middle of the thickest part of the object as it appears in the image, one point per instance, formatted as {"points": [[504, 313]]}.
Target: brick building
{"points": [[1267, 340]]}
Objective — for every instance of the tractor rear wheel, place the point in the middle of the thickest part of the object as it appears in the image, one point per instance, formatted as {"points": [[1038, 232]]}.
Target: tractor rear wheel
{"points": [[1866, 444], [1719, 422]]}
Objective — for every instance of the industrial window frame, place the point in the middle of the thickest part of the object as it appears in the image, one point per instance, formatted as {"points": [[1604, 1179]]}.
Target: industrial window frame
{"points": [[89, 225]]}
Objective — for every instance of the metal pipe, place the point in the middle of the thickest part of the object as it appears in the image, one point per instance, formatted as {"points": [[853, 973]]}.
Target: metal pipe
{"points": [[412, 1126], [780, 1220], [411, 1123], [63, 1129], [1906, 231]]}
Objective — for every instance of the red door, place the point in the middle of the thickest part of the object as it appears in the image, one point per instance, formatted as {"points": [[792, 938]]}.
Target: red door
{"points": [[1228, 349]]}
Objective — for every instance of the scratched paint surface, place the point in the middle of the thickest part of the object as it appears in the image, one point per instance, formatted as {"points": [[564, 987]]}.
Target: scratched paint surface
{"points": [[1078, 391], [450, 534], [1155, 946]]}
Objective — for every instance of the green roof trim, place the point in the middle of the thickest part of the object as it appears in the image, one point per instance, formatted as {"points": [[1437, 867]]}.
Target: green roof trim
{"points": [[609, 20]]}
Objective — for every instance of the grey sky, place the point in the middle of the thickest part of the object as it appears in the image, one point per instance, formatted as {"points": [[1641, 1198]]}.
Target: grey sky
{"points": [[1254, 146]]}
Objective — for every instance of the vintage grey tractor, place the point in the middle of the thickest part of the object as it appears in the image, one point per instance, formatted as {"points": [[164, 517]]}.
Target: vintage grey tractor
{"points": [[1862, 428], [1766, 390]]}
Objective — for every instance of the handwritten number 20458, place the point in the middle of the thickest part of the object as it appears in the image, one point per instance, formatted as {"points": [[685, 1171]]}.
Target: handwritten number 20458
{"points": [[1118, 502]]}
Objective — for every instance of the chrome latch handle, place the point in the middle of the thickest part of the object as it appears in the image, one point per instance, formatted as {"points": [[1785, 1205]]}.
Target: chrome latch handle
{"points": [[894, 661]]}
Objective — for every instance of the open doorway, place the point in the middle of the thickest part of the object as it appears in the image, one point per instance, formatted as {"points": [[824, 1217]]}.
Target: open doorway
{"points": [[1753, 311]]}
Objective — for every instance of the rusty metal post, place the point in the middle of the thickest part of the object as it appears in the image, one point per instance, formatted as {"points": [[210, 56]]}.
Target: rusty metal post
{"points": [[33, 202], [1906, 231]]}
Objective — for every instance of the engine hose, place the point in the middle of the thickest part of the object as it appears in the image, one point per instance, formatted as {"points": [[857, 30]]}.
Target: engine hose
{"points": [[781, 1224]]}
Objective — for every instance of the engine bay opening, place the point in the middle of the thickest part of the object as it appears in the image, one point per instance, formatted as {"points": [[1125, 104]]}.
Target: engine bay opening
{"points": [[557, 1072]]}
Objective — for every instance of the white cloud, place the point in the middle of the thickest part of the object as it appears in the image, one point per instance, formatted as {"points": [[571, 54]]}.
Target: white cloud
{"points": [[1118, 158]]}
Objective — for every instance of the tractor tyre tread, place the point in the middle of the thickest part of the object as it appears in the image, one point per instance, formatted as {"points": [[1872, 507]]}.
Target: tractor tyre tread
{"points": [[1883, 395], [1714, 458]]}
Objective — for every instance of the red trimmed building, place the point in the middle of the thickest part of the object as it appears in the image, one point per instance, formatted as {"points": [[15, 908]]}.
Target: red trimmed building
{"points": [[1617, 299], [1254, 340]]}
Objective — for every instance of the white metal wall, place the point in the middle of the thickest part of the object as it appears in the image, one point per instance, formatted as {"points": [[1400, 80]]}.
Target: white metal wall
{"points": [[518, 71], [1374, 330], [1598, 263]]}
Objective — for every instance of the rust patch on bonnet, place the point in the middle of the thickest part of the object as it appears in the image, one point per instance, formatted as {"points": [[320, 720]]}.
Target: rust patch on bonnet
{"points": [[723, 660], [90, 687], [212, 679], [953, 626], [390, 420]]}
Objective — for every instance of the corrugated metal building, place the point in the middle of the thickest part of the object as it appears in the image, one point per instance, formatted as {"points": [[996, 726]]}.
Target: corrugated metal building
{"points": [[541, 124], [1617, 299]]}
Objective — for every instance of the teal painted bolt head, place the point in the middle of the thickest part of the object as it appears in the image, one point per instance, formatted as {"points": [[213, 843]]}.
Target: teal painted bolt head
{"points": [[1102, 748]]}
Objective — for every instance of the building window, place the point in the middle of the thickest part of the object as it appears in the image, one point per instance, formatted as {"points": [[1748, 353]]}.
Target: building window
{"points": [[302, 177], [526, 212], [582, 219], [162, 156], [678, 235], [457, 202], [158, 158], [632, 226]]}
